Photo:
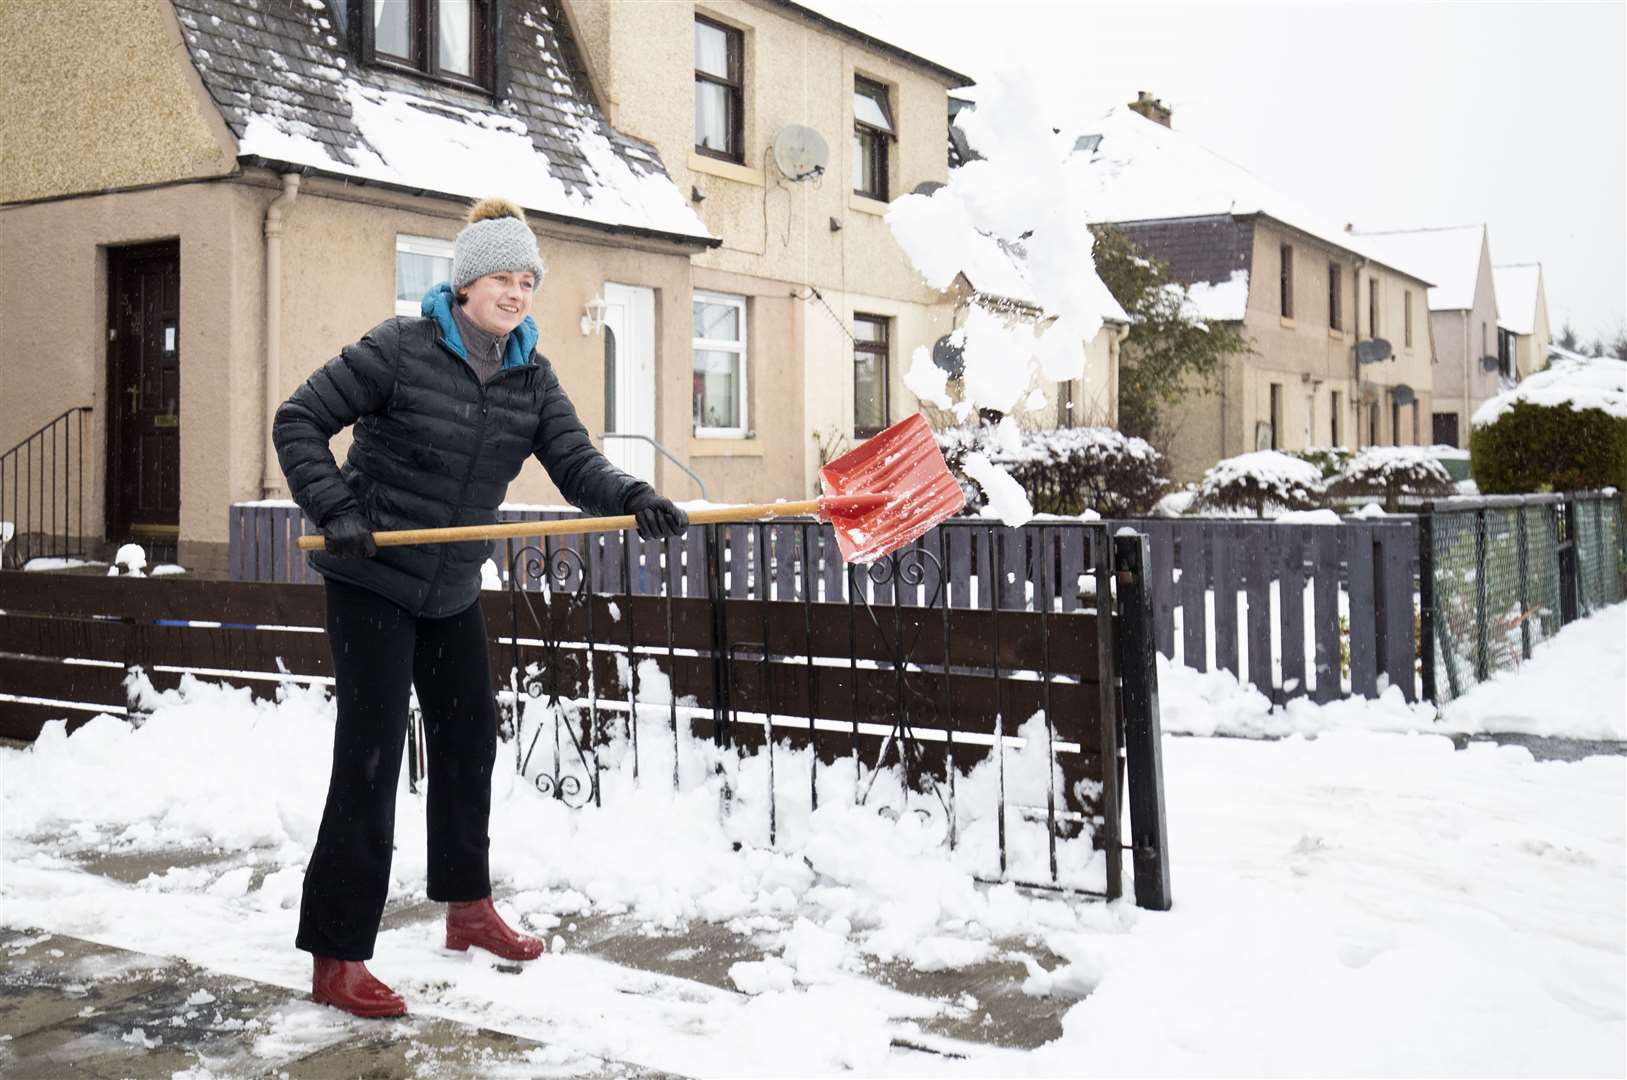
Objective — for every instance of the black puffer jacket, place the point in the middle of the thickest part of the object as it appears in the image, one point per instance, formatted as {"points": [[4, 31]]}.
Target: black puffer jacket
{"points": [[433, 448]]}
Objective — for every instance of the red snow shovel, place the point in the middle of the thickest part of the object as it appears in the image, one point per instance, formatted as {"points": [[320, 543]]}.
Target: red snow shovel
{"points": [[880, 495]]}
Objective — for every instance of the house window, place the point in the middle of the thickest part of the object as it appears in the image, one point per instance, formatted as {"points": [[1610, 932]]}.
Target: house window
{"points": [[1334, 322], [1276, 416], [1505, 352], [718, 90], [421, 262], [1372, 424], [446, 39], [872, 128], [1406, 308], [1415, 422], [871, 405], [1395, 423], [1285, 286], [719, 365], [1333, 420], [1372, 307]]}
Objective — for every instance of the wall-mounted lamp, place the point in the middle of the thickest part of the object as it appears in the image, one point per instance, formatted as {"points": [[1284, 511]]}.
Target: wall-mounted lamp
{"points": [[593, 316]]}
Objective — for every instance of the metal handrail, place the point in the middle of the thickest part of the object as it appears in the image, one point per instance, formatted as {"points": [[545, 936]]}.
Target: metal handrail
{"points": [[53, 444], [668, 454]]}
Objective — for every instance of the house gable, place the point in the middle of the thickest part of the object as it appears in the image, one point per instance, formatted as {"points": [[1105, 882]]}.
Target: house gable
{"points": [[101, 97]]}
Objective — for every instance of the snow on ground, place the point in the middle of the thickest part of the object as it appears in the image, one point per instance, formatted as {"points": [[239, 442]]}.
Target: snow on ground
{"points": [[1362, 902], [1574, 685]]}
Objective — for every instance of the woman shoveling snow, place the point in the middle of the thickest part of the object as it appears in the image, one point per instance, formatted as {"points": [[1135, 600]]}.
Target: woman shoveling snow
{"points": [[446, 409]]}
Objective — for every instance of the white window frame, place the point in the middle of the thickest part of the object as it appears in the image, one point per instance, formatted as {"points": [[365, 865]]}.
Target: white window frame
{"points": [[418, 245], [722, 345]]}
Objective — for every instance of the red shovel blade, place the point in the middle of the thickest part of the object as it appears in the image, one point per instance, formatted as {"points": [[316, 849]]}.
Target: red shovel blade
{"points": [[904, 464]]}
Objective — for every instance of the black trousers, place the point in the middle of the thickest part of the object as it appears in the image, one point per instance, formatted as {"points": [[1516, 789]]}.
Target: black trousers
{"points": [[379, 652]]}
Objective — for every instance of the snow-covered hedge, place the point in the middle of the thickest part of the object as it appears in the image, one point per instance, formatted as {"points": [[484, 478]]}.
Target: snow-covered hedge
{"points": [[1066, 470], [1389, 472], [1563, 429], [1265, 481]]}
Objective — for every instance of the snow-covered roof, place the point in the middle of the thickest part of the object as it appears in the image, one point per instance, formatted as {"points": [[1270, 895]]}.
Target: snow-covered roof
{"points": [[1449, 258], [879, 23], [998, 270], [1582, 383], [1516, 287], [1141, 170], [292, 94]]}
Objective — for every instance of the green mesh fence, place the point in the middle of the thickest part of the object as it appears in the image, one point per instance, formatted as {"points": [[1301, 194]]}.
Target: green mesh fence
{"points": [[1598, 553], [1498, 578]]}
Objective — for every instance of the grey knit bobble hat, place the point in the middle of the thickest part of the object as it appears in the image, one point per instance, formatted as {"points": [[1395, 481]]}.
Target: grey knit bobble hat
{"points": [[496, 238]]}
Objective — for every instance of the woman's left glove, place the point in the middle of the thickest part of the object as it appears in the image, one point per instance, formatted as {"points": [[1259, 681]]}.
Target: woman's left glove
{"points": [[658, 518]]}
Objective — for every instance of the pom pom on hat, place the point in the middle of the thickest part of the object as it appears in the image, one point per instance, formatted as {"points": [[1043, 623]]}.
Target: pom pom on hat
{"points": [[496, 238]]}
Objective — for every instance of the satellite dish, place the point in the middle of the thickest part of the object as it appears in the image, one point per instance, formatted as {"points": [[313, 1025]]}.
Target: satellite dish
{"points": [[950, 356], [1371, 352], [800, 152], [1403, 394], [1491, 363], [927, 187]]}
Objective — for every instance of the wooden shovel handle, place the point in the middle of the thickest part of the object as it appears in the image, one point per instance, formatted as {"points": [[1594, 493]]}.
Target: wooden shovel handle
{"points": [[573, 526]]}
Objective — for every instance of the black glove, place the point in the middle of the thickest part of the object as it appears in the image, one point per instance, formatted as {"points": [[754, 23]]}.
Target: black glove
{"points": [[658, 518], [349, 536]]}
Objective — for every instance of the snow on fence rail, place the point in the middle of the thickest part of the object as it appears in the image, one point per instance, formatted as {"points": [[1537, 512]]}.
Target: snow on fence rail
{"points": [[914, 692]]}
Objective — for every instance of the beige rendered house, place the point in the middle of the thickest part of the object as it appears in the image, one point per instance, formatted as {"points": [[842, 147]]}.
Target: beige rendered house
{"points": [[203, 200], [789, 133], [1522, 317], [1340, 348], [1463, 314]]}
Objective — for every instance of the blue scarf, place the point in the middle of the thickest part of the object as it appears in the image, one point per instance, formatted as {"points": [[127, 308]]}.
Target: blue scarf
{"points": [[437, 305]]}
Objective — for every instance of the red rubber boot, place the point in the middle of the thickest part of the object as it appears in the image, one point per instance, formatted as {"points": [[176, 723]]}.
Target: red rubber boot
{"points": [[348, 985], [476, 922]]}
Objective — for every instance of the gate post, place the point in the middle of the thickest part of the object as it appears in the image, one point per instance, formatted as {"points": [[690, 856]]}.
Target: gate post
{"points": [[1569, 569], [1137, 649], [1426, 598]]}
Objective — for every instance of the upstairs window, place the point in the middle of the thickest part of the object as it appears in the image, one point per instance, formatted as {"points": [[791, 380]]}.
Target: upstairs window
{"points": [[872, 129], [718, 90], [1335, 322], [1408, 308], [1372, 307], [1285, 285], [449, 40]]}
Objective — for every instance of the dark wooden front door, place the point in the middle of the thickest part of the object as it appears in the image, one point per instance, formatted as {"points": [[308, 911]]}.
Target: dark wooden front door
{"points": [[144, 395], [1446, 429]]}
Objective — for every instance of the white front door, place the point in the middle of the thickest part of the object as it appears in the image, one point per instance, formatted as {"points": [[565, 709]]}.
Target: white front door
{"points": [[629, 376]]}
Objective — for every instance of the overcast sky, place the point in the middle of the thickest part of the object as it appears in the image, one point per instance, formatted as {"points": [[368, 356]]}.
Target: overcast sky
{"points": [[1389, 116]]}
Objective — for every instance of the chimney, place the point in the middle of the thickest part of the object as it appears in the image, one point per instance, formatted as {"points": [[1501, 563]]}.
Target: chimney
{"points": [[1151, 108]]}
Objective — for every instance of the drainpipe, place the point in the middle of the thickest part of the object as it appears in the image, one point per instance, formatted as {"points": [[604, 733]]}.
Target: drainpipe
{"points": [[270, 478], [1463, 425], [1355, 324]]}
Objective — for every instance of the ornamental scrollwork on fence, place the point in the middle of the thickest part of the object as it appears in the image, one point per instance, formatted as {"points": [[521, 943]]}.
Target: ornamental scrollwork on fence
{"points": [[906, 569], [562, 575]]}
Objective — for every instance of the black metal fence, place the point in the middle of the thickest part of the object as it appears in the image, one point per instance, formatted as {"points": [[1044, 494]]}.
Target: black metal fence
{"points": [[1503, 573], [42, 492], [777, 644]]}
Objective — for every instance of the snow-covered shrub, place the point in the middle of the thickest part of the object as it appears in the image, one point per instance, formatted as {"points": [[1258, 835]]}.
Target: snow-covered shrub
{"points": [[1066, 470], [1330, 459], [1563, 429], [1391, 472], [1265, 481]]}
